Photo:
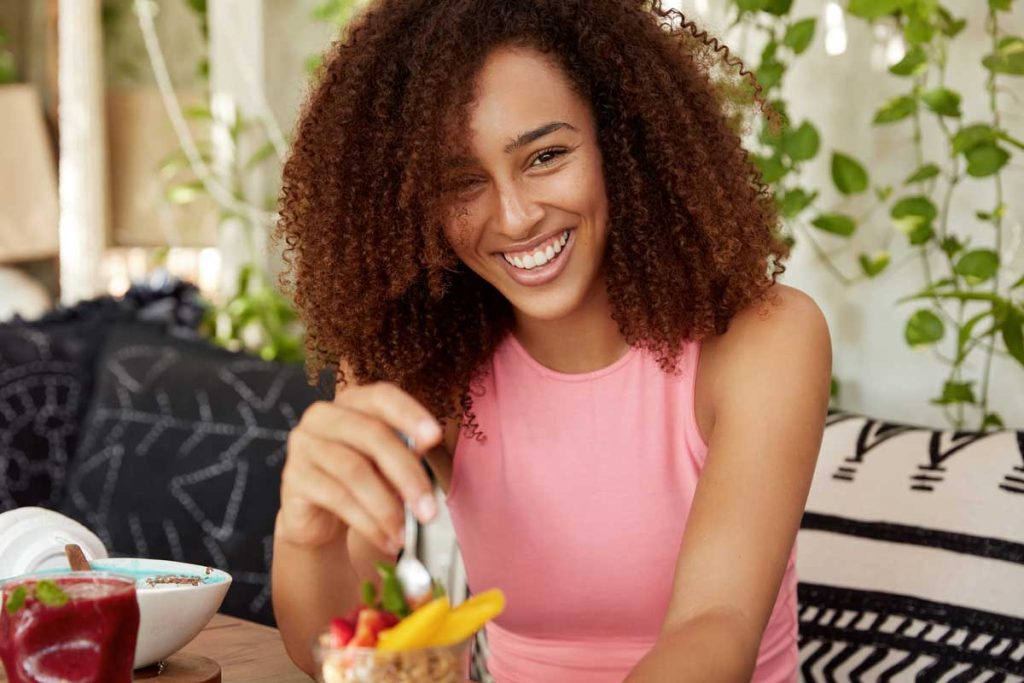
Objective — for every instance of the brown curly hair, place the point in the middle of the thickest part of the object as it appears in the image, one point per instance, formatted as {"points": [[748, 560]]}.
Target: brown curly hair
{"points": [[692, 230]]}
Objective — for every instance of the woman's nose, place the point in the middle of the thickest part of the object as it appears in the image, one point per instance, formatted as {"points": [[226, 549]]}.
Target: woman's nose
{"points": [[518, 213]]}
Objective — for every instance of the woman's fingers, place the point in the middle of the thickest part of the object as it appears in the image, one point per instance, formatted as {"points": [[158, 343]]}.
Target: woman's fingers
{"points": [[396, 408], [366, 485], [317, 485], [378, 441]]}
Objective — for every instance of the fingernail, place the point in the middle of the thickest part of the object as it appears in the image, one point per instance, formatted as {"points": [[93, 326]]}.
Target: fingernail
{"points": [[426, 507], [428, 430]]}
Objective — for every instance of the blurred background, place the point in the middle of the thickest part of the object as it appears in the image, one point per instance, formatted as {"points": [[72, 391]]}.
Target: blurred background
{"points": [[142, 140]]}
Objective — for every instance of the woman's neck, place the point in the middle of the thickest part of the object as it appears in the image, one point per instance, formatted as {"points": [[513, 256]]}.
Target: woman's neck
{"points": [[586, 340]]}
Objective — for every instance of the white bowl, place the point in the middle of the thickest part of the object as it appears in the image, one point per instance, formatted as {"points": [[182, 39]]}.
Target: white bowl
{"points": [[170, 615]]}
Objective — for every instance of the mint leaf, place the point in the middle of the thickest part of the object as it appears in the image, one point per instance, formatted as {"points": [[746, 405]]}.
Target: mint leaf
{"points": [[16, 600], [392, 598], [50, 594], [369, 594]]}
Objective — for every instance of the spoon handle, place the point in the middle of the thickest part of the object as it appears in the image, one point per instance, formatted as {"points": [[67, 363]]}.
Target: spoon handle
{"points": [[76, 558]]}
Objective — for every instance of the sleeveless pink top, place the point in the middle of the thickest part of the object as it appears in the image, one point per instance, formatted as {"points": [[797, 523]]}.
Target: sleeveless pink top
{"points": [[575, 505]]}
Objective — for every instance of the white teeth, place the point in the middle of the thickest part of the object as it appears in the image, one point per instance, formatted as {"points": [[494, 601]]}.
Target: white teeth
{"points": [[539, 258]]}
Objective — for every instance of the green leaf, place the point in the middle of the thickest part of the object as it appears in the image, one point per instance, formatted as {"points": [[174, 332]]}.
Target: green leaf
{"points": [[799, 35], [972, 136], [918, 30], [942, 101], [50, 594], [977, 265], [1013, 334], [1000, 5], [391, 596], [185, 193], [848, 175], [873, 9], [917, 205], [956, 392], [198, 111], [1018, 283], [985, 160], [769, 51], [925, 172], [951, 246], [895, 109], [833, 388], [993, 420], [923, 328], [750, 5], [947, 23], [874, 264], [770, 73], [964, 335], [914, 62], [771, 168], [369, 593], [835, 223], [778, 7], [1008, 57], [921, 233], [16, 600], [802, 143], [795, 201]]}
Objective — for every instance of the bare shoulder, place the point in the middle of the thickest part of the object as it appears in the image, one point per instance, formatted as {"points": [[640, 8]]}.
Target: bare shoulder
{"points": [[785, 334]]}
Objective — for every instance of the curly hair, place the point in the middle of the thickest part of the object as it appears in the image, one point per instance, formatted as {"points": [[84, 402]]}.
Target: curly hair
{"points": [[692, 229]]}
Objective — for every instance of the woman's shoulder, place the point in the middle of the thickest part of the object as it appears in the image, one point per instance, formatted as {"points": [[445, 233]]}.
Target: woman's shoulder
{"points": [[785, 328]]}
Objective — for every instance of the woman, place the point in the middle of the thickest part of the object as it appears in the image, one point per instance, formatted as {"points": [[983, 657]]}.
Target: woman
{"points": [[527, 229]]}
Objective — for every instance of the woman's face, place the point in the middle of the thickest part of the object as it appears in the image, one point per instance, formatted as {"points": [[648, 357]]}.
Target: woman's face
{"points": [[531, 197]]}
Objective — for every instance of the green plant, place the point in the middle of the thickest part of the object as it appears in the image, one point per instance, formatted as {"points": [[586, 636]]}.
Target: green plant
{"points": [[968, 302], [8, 69]]}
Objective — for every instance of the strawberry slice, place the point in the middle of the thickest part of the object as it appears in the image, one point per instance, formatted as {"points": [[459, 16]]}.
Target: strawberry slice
{"points": [[341, 632]]}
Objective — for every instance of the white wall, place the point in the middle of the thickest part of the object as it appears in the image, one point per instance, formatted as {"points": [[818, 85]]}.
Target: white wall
{"points": [[879, 374]]}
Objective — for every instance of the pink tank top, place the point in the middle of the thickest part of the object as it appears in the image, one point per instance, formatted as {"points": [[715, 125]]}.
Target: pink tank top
{"points": [[575, 506]]}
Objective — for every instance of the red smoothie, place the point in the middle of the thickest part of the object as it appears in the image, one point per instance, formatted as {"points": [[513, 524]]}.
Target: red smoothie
{"points": [[82, 633]]}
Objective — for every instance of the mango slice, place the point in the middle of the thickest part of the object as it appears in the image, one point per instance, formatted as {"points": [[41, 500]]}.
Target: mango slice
{"points": [[466, 619], [417, 629]]}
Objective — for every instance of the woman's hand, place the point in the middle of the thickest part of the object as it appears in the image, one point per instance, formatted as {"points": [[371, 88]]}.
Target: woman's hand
{"points": [[347, 467]]}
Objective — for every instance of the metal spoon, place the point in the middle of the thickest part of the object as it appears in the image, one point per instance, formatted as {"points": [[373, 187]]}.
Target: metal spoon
{"points": [[417, 584]]}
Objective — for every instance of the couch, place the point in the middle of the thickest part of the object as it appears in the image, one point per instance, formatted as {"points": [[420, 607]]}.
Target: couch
{"points": [[117, 413]]}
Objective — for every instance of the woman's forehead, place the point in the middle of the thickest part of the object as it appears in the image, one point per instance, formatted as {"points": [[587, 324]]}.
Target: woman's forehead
{"points": [[519, 90]]}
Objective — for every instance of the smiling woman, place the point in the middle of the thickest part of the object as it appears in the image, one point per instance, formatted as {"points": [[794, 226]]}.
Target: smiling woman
{"points": [[532, 221]]}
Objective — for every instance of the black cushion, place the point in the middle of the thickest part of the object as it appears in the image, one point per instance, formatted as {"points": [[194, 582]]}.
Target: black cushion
{"points": [[182, 454], [46, 378]]}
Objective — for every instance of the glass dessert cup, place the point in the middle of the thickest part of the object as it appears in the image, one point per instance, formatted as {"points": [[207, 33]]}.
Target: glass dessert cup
{"points": [[83, 632], [438, 664]]}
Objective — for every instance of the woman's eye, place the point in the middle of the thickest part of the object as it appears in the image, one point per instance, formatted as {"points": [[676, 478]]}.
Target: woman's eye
{"points": [[547, 156]]}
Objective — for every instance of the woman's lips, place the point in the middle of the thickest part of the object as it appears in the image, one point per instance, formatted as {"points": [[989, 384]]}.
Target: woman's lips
{"points": [[540, 275]]}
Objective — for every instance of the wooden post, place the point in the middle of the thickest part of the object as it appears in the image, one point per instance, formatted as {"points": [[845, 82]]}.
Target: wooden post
{"points": [[83, 150]]}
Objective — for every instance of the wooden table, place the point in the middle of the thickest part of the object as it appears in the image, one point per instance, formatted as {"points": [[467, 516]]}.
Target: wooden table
{"points": [[246, 652]]}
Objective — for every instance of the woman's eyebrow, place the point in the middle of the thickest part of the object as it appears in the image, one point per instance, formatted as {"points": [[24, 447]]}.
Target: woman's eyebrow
{"points": [[535, 134]]}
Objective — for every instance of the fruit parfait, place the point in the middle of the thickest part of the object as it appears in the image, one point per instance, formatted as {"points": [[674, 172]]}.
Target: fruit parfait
{"points": [[392, 639]]}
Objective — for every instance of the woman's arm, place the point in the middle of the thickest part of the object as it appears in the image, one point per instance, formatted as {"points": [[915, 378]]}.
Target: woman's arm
{"points": [[768, 382]]}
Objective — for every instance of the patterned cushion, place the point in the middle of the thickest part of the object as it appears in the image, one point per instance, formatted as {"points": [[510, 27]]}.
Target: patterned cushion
{"points": [[182, 454], [911, 555], [46, 377]]}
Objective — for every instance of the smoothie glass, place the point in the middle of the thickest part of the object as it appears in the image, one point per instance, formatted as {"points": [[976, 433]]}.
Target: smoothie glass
{"points": [[78, 627]]}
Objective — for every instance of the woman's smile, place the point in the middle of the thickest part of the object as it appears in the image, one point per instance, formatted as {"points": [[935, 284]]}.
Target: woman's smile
{"points": [[541, 264]]}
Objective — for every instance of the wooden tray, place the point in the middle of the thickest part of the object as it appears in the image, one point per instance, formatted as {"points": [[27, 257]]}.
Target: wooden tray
{"points": [[178, 668]]}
